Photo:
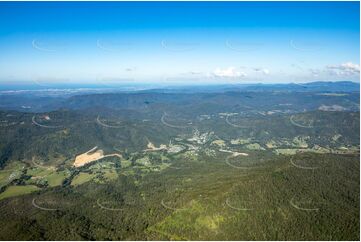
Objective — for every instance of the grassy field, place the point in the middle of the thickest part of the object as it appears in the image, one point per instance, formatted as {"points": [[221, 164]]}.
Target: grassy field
{"points": [[82, 178], [11, 172], [56, 178], [4, 177], [39, 172], [13, 191]]}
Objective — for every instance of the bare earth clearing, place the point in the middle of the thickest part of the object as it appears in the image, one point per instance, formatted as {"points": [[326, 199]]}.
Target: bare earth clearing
{"points": [[92, 155]]}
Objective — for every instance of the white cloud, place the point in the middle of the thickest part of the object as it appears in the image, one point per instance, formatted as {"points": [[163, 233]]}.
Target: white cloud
{"points": [[261, 70], [228, 72], [315, 72], [195, 73], [346, 69]]}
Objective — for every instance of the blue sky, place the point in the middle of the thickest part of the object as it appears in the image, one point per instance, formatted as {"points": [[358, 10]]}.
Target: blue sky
{"points": [[179, 42]]}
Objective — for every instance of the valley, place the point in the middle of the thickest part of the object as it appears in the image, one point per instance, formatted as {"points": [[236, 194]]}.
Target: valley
{"points": [[182, 168]]}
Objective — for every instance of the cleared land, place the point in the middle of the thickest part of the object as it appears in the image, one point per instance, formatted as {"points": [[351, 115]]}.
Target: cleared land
{"points": [[92, 155], [13, 191], [82, 178]]}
